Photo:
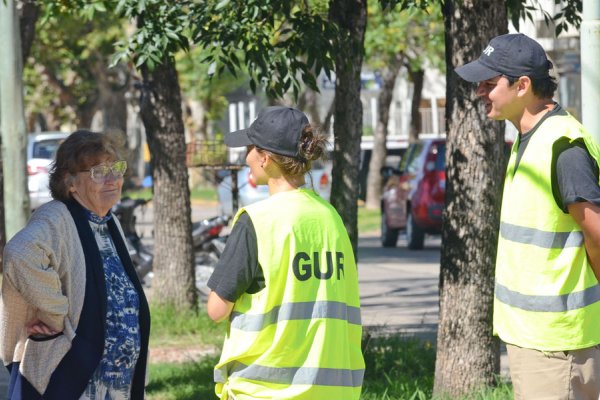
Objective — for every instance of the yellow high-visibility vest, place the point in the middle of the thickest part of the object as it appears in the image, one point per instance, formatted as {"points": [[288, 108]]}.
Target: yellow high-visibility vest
{"points": [[299, 337], [546, 296]]}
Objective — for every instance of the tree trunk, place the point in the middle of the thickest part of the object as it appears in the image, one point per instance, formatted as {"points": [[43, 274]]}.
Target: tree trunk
{"points": [[28, 14], [12, 122], [374, 180], [467, 353], [112, 86], [308, 103], [351, 18], [160, 108], [415, 116]]}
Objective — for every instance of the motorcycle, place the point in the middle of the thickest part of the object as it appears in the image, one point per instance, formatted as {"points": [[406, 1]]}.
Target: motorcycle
{"points": [[208, 248]]}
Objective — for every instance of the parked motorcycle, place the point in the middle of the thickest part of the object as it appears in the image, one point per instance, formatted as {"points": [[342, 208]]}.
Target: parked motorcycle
{"points": [[208, 247]]}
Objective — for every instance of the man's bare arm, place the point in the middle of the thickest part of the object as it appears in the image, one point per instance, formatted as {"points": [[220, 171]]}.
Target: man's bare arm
{"points": [[587, 216]]}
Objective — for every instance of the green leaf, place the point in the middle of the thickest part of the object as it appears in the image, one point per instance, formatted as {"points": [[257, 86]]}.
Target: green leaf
{"points": [[222, 4], [100, 7]]}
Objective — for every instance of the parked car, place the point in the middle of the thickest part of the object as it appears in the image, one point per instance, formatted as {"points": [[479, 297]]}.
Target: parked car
{"points": [[41, 151], [318, 178], [413, 195]]}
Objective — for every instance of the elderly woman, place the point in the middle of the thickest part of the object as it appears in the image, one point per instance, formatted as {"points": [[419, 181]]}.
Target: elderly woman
{"points": [[74, 319]]}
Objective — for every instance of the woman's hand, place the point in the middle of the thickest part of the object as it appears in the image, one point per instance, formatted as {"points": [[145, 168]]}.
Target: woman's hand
{"points": [[37, 327]]}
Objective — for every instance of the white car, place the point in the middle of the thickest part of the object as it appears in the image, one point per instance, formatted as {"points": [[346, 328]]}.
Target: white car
{"points": [[249, 192], [41, 151]]}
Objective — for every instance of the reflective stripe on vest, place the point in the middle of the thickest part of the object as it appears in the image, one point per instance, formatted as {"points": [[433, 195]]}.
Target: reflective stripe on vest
{"points": [[536, 237], [293, 376], [560, 303], [296, 311]]}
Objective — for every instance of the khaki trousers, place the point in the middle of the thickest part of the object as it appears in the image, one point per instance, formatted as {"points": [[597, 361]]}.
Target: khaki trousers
{"points": [[559, 375]]}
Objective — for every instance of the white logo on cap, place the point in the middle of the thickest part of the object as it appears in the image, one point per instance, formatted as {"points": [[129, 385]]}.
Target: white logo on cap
{"points": [[488, 50]]}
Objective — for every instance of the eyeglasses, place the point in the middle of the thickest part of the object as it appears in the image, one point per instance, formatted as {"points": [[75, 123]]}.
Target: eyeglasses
{"points": [[100, 173]]}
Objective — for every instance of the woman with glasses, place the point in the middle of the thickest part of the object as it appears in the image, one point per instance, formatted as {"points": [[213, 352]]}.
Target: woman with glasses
{"points": [[74, 319]]}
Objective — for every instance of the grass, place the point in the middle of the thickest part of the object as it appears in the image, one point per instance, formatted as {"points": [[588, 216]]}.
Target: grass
{"points": [[179, 329], [369, 221], [188, 381], [397, 366]]}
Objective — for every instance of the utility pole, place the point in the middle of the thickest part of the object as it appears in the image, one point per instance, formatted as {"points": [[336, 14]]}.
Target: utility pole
{"points": [[12, 121], [590, 76]]}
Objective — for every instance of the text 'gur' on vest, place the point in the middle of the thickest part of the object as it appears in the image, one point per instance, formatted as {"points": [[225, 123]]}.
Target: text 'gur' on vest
{"points": [[306, 267]]}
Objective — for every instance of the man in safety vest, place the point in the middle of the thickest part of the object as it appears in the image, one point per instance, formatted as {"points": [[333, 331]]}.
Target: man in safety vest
{"points": [[287, 279], [547, 296]]}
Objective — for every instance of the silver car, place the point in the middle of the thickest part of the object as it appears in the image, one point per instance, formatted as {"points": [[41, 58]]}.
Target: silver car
{"points": [[249, 192], [41, 151]]}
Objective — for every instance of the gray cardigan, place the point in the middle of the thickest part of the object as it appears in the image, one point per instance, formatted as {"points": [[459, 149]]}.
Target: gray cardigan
{"points": [[44, 278]]}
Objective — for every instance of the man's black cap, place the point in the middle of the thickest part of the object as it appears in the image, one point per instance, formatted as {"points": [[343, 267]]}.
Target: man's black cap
{"points": [[513, 55], [277, 129]]}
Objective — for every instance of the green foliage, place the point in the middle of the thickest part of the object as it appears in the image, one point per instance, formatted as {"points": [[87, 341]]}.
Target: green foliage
{"points": [[60, 75], [188, 381], [416, 35], [198, 83], [570, 14], [163, 28], [280, 43]]}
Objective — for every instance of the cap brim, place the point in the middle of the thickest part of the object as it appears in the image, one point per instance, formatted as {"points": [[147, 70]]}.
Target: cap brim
{"points": [[238, 138], [475, 71]]}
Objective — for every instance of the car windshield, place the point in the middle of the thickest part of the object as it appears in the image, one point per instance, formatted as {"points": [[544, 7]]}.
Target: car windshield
{"points": [[412, 165], [46, 148]]}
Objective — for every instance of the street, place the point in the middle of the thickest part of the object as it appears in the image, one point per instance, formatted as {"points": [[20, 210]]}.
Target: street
{"points": [[399, 287]]}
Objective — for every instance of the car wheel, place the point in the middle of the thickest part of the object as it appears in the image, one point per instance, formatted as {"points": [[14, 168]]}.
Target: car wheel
{"points": [[389, 236], [415, 236]]}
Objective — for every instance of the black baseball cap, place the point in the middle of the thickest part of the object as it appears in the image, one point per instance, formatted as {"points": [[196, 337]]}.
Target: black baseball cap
{"points": [[513, 55], [277, 129]]}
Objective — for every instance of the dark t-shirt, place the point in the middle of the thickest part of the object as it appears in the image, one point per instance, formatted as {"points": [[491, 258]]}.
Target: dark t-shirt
{"points": [[575, 172], [238, 270]]}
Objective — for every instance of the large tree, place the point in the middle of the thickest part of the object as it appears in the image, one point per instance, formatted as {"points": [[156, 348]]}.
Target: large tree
{"points": [[351, 18], [468, 353]]}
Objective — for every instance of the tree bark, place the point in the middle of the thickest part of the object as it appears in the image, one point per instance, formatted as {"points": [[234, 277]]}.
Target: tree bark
{"points": [[28, 13], [374, 180], [351, 19], [415, 117], [12, 122], [467, 353], [160, 108], [113, 83], [309, 104]]}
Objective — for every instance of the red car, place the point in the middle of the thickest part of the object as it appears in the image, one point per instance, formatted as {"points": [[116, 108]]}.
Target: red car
{"points": [[413, 196]]}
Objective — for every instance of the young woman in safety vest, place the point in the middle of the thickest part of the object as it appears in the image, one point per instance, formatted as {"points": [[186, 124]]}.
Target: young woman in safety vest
{"points": [[287, 280]]}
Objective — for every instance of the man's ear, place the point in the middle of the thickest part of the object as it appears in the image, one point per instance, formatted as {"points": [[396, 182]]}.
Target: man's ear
{"points": [[523, 85]]}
